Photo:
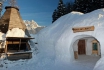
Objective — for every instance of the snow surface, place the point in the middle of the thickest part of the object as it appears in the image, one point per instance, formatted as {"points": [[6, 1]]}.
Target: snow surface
{"points": [[2, 36], [54, 50], [15, 32], [83, 63], [100, 64]]}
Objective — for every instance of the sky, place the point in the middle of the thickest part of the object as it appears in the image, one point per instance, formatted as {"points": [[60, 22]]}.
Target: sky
{"points": [[38, 10]]}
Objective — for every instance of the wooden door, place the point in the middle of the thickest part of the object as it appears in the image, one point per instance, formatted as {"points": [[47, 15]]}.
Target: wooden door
{"points": [[81, 47]]}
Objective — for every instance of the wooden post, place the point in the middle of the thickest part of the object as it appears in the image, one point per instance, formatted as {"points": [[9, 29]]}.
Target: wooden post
{"points": [[19, 44], [6, 47], [28, 46], [30, 55], [76, 54]]}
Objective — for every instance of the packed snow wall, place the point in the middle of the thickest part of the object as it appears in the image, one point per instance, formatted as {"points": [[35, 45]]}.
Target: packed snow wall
{"points": [[55, 41]]}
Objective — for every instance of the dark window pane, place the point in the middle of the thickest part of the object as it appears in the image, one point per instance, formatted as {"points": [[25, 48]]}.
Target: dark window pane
{"points": [[95, 46]]}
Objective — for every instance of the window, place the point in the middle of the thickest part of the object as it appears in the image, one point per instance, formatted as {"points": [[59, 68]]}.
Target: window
{"points": [[15, 47], [95, 46]]}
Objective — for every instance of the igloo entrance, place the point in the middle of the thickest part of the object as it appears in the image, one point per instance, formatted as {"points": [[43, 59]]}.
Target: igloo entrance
{"points": [[86, 46]]}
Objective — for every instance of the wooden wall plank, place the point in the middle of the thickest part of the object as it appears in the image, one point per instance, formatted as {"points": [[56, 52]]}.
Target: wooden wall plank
{"points": [[83, 29]]}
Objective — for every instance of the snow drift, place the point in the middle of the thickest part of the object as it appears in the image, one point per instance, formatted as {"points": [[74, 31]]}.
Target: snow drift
{"points": [[15, 32], [55, 41], [2, 36], [100, 64]]}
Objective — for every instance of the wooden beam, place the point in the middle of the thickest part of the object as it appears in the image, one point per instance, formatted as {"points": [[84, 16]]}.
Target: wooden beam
{"points": [[15, 42], [19, 55], [83, 29]]}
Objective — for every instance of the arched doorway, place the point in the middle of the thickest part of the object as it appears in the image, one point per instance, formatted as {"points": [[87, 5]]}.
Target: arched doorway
{"points": [[86, 46]]}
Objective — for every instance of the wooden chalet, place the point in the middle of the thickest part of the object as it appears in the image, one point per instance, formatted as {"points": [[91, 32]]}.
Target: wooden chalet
{"points": [[15, 47]]}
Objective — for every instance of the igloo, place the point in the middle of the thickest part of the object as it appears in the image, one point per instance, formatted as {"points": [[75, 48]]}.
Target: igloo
{"points": [[59, 41]]}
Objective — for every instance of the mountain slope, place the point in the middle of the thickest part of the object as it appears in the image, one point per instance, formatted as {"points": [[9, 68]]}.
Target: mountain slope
{"points": [[32, 26]]}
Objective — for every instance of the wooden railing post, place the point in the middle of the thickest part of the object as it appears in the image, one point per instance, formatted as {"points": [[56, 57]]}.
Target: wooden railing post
{"points": [[19, 44], [6, 47]]}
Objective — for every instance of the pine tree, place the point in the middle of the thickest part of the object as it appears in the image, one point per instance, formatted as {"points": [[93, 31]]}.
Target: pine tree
{"points": [[74, 6], [88, 6], [78, 6], [68, 8], [101, 2], [54, 16], [83, 6], [61, 9], [95, 4]]}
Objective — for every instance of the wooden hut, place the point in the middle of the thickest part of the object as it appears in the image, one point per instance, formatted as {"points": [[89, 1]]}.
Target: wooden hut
{"points": [[15, 47]]}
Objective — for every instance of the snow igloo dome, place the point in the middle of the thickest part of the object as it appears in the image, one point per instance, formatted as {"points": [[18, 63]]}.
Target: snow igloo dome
{"points": [[59, 41]]}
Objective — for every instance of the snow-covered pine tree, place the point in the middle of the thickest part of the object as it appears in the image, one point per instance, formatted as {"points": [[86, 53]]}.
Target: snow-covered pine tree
{"points": [[95, 4], [74, 5], [83, 6], [61, 9], [88, 6], [68, 7], [101, 3], [54, 16], [79, 5]]}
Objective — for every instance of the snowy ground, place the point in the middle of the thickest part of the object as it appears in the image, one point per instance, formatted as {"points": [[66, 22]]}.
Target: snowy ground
{"points": [[100, 64], [84, 62]]}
